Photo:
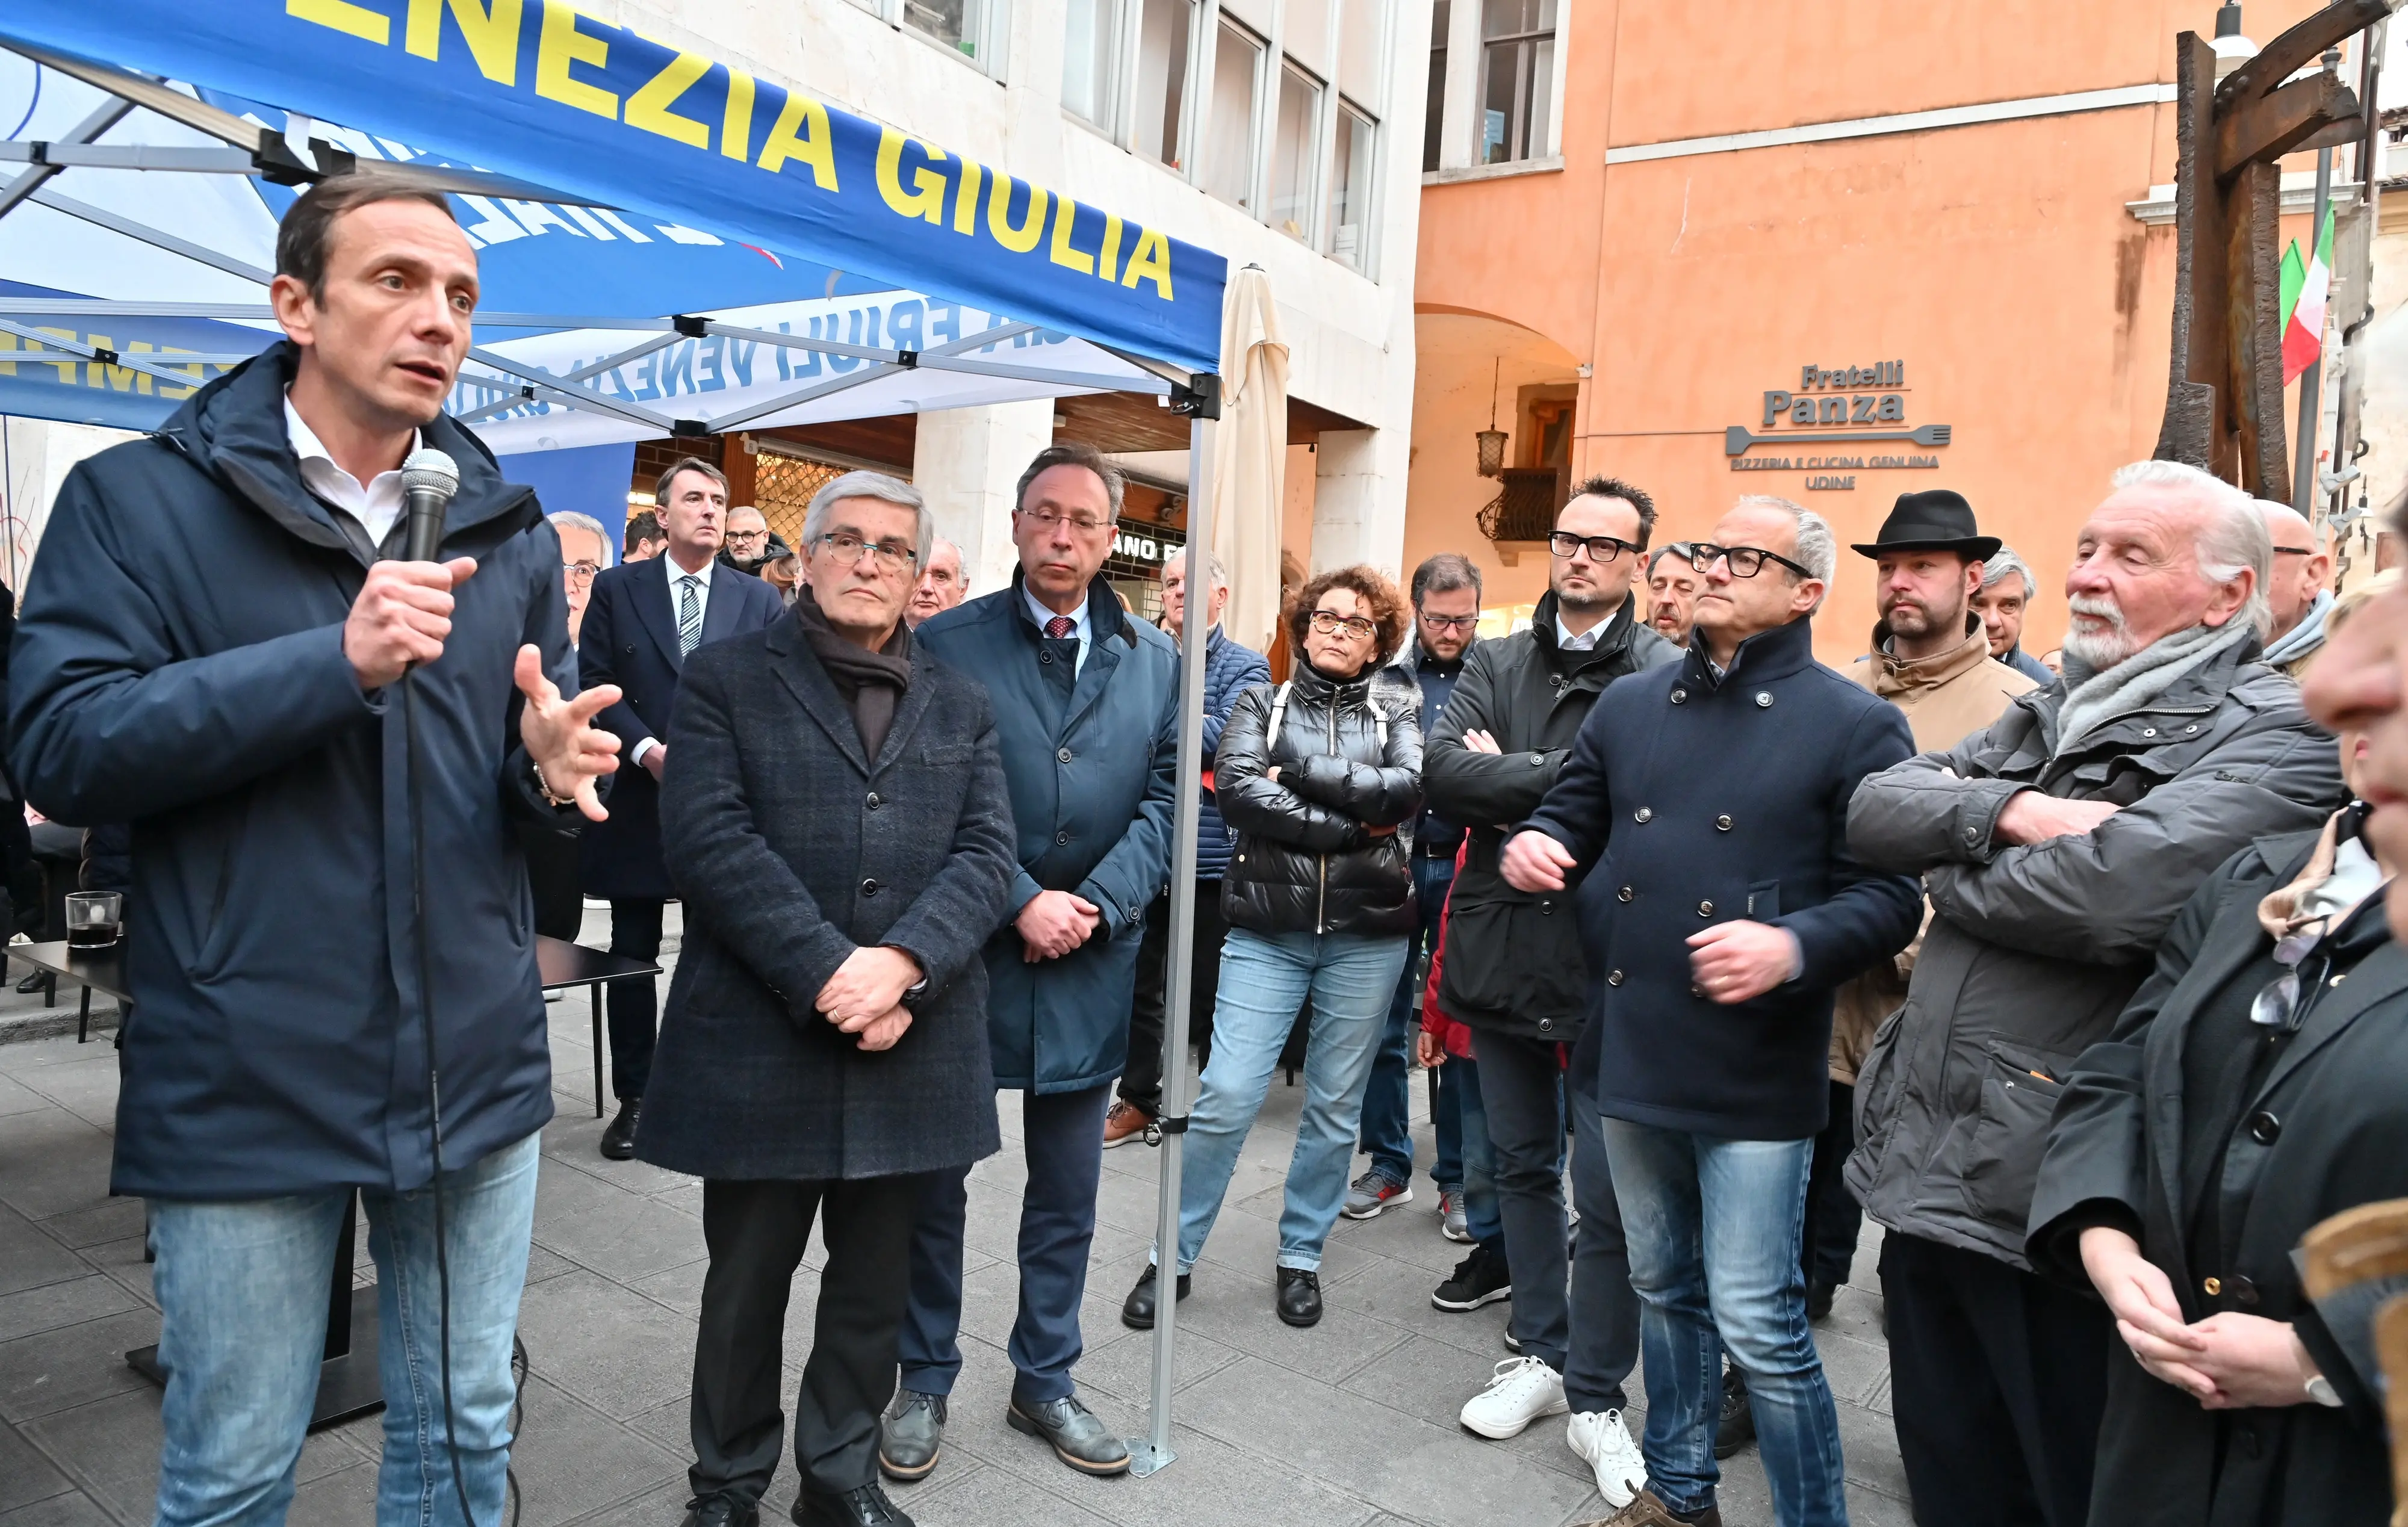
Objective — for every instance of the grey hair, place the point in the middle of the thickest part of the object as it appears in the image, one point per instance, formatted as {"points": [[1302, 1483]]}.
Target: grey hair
{"points": [[2233, 537], [1818, 550], [571, 520], [2004, 562], [1670, 549], [876, 485], [1215, 575]]}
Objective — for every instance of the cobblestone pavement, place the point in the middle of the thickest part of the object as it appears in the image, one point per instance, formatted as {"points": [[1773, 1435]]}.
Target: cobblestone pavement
{"points": [[1349, 1424]]}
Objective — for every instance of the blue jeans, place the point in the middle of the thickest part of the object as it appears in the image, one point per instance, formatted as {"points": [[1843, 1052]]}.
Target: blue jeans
{"points": [[1265, 977], [1714, 1228], [242, 1301], [1460, 1079], [1388, 1103]]}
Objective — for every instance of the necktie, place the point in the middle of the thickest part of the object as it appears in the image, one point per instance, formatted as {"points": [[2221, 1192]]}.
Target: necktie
{"points": [[689, 614], [1060, 626]]}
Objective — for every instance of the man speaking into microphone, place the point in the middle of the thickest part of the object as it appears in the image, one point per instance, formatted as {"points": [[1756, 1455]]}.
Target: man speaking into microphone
{"points": [[224, 645]]}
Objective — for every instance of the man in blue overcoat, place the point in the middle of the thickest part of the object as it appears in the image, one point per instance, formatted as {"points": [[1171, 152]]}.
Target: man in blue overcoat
{"points": [[1086, 711]]}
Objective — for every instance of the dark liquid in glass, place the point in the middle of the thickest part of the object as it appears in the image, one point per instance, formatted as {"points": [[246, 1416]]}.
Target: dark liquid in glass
{"points": [[91, 936]]}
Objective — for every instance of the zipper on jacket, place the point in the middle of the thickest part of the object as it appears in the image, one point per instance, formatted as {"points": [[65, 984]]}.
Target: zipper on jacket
{"points": [[1320, 906]]}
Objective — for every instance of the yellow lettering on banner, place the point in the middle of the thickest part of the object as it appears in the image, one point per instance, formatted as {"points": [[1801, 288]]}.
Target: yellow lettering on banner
{"points": [[1066, 219], [927, 202], [560, 45], [649, 107], [736, 127], [1151, 262], [491, 30], [1108, 260], [343, 16], [966, 200], [1023, 238], [802, 133]]}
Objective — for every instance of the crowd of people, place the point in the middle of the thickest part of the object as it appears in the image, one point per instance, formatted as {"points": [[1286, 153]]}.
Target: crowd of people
{"points": [[2076, 974]]}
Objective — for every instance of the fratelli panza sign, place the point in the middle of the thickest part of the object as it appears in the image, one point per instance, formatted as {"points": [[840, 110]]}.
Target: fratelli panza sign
{"points": [[1836, 405]]}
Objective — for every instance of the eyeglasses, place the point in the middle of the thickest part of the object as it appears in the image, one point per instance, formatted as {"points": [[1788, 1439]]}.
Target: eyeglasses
{"points": [[1446, 623], [1085, 525], [748, 535], [582, 572], [2293, 551], [1745, 561], [1329, 623], [1602, 548], [893, 557]]}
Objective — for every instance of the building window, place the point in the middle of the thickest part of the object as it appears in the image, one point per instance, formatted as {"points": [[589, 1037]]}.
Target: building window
{"points": [[1362, 72], [1162, 75], [1434, 114], [1293, 138], [1229, 127], [973, 29], [1091, 48], [1348, 233], [1517, 72]]}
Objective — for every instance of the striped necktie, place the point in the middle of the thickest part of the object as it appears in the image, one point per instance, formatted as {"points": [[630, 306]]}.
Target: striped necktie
{"points": [[689, 614]]}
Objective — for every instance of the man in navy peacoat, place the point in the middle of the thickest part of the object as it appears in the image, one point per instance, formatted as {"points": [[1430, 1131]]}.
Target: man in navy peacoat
{"points": [[640, 622], [1708, 803], [1086, 705]]}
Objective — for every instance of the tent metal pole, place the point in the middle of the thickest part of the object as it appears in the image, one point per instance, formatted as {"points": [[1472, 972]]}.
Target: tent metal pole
{"points": [[106, 116], [1152, 1452]]}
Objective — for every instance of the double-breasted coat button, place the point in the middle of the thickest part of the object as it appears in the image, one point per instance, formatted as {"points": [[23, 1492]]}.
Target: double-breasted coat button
{"points": [[1614, 977], [1642, 816], [869, 888], [1763, 699], [2242, 1291], [2212, 1286], [1546, 909], [1062, 757], [1679, 696], [1547, 1025], [1045, 658], [1722, 824], [2264, 1127], [2149, 730], [1625, 894], [1697, 990], [1538, 760], [1060, 838], [1705, 909], [875, 800]]}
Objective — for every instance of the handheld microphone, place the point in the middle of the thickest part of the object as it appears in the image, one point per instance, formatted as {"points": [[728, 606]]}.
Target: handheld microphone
{"points": [[428, 480]]}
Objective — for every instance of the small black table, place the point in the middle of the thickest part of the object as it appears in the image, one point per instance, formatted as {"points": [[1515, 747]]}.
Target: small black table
{"points": [[347, 1384]]}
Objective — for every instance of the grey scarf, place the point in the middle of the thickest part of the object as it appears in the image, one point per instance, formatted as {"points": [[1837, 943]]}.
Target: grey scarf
{"points": [[2091, 698]]}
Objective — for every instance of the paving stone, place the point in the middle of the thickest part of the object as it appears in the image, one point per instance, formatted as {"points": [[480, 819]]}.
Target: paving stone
{"points": [[625, 1236], [25, 1474], [74, 1364], [571, 1460], [111, 1449], [55, 1162], [55, 1305], [1238, 1313], [1430, 1382], [112, 1221], [85, 1086], [1123, 1366], [30, 1257], [15, 1097], [616, 1351], [74, 1510]]}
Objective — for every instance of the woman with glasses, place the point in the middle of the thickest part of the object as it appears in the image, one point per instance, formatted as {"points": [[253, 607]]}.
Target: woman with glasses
{"points": [[2253, 1088], [1315, 777]]}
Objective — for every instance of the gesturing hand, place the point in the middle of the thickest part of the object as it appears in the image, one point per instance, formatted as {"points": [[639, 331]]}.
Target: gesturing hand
{"points": [[867, 988], [1535, 862], [560, 734], [1739, 961], [2147, 1315], [1053, 923], [401, 616], [2030, 817]]}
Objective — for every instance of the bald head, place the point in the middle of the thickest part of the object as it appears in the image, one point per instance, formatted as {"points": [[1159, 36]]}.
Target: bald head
{"points": [[2301, 565]]}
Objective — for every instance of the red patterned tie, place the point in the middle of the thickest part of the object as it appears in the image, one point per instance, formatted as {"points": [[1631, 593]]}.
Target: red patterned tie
{"points": [[1060, 626]]}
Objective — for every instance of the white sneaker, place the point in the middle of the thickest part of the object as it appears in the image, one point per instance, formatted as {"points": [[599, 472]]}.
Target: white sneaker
{"points": [[1522, 1389], [1603, 1442]]}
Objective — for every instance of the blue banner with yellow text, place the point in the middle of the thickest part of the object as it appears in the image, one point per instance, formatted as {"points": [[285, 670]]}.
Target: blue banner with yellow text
{"points": [[539, 90]]}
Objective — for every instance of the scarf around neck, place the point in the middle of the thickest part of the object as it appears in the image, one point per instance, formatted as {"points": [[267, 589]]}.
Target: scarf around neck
{"points": [[2092, 698], [871, 682], [2306, 636]]}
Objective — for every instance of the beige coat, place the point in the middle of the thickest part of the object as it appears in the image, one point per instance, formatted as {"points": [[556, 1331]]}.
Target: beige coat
{"points": [[1946, 699]]}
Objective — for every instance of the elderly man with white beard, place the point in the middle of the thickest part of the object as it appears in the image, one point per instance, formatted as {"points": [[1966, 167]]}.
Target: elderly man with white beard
{"points": [[2056, 846]]}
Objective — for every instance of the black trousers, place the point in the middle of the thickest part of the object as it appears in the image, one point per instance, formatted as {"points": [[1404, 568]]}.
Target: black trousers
{"points": [[1142, 1077], [1999, 1382], [635, 1007], [551, 875], [1832, 1216], [756, 1233]]}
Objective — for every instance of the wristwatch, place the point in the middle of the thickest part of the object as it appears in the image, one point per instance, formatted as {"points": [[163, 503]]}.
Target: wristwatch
{"points": [[2321, 1391], [916, 993]]}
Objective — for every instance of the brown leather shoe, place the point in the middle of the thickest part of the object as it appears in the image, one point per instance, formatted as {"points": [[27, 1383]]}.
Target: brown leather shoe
{"points": [[1646, 1510], [1124, 1122]]}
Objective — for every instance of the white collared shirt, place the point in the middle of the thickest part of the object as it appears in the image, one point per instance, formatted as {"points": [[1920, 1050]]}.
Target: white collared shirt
{"points": [[677, 602], [376, 506], [1585, 642], [1079, 628]]}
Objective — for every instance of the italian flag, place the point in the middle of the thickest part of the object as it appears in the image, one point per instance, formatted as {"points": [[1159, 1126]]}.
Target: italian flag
{"points": [[2304, 290]]}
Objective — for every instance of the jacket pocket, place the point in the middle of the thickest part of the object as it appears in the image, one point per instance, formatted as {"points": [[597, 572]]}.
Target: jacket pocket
{"points": [[1877, 1088], [1764, 900], [2019, 1093]]}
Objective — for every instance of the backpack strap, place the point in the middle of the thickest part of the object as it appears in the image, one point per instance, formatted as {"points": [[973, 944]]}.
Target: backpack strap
{"points": [[1279, 718]]}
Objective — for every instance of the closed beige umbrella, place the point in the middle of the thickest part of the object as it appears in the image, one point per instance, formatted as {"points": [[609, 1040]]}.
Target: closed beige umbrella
{"points": [[1250, 457]]}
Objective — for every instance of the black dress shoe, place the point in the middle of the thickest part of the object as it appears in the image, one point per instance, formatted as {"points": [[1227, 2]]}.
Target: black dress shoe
{"points": [[1819, 1295], [911, 1435], [867, 1506], [1137, 1310], [1737, 1427], [721, 1512], [618, 1140], [1079, 1437], [1299, 1296]]}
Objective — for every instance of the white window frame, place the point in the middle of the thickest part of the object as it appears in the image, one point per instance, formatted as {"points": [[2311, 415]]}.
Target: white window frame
{"points": [[990, 60], [1119, 118], [1458, 156]]}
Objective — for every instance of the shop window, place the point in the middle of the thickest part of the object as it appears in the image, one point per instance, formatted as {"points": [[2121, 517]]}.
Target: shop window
{"points": [[1434, 112], [1229, 125], [1517, 73], [1292, 141], [1163, 71], [1348, 232], [1091, 50]]}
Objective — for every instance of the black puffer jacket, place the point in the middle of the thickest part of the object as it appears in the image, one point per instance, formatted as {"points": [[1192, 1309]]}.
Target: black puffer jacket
{"points": [[1349, 758]]}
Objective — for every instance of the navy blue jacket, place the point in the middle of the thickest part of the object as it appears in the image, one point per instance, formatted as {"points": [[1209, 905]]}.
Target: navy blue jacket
{"points": [[1230, 669], [1092, 767], [1434, 837], [179, 665], [630, 639], [1691, 801]]}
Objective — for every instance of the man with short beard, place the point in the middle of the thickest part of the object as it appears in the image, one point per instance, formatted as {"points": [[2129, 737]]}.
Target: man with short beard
{"points": [[1673, 587], [2056, 846]]}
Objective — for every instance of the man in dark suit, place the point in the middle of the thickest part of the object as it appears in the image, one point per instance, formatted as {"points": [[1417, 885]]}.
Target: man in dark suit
{"points": [[841, 837], [642, 621]]}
